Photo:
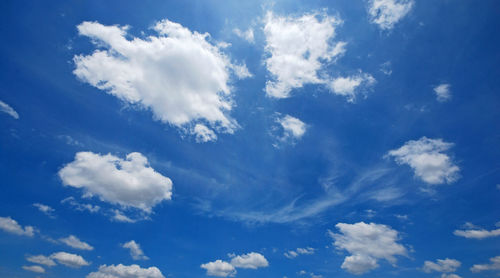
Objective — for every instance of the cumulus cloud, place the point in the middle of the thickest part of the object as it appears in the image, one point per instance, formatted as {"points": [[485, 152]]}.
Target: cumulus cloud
{"points": [[11, 226], [494, 265], [299, 251], [446, 265], [367, 243], [128, 182], [177, 74], [34, 268], [41, 259], [293, 128], [135, 250], [298, 48], [47, 210], [386, 13], [219, 268], [68, 259], [475, 232], [352, 85], [5, 108], [443, 92], [425, 156], [251, 260], [246, 35], [76, 243], [203, 133], [124, 271]]}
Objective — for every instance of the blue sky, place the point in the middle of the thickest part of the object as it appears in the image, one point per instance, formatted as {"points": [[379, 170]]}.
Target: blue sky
{"points": [[240, 139]]}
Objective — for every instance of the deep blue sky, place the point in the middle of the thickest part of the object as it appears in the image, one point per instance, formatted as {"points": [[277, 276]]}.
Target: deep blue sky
{"points": [[263, 188]]}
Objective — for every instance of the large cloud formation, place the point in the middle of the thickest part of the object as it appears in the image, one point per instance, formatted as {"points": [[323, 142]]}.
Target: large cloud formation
{"points": [[124, 271], [425, 156], [367, 243], [128, 182], [177, 74]]}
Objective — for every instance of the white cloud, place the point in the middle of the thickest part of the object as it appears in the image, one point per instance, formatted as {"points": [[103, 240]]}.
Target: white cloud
{"points": [[11, 226], [352, 85], [79, 206], [4, 107], [76, 243], [251, 260], [128, 182], [219, 268], [367, 243], [293, 128], [445, 275], [124, 271], [427, 159], [47, 210], [475, 232], [203, 133], [246, 35], [177, 74], [135, 250], [68, 259], [41, 259], [299, 251], [34, 268], [120, 217], [446, 265], [386, 13], [385, 68], [443, 92], [298, 48], [494, 265]]}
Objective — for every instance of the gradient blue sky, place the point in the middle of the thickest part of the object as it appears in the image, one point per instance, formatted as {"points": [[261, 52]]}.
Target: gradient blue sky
{"points": [[382, 163]]}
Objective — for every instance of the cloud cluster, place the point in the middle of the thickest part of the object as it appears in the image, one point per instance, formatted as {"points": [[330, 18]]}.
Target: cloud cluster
{"points": [[135, 250], [299, 251], [386, 13], [297, 48], [177, 74], [5, 108], [221, 268], [446, 265], [367, 243], [128, 182], [11, 226], [425, 156], [124, 271]]}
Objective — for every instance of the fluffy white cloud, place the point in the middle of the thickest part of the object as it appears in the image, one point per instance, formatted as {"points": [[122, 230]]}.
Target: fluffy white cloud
{"points": [[367, 243], [443, 92], [34, 268], [177, 74], [124, 271], [476, 232], [203, 133], [292, 127], [386, 13], [298, 47], [76, 243], [352, 85], [11, 226], [494, 265], [135, 250], [129, 182], [246, 35], [446, 265], [251, 260], [68, 259], [427, 159], [4, 107], [299, 251], [41, 259], [219, 268], [47, 210]]}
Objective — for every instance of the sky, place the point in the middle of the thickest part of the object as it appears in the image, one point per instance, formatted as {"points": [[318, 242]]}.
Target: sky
{"points": [[150, 139]]}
